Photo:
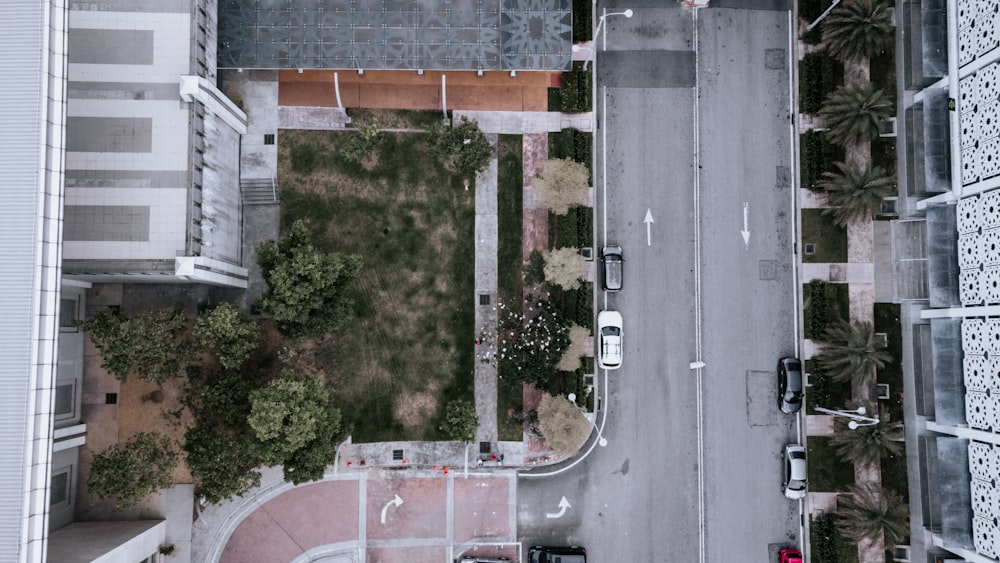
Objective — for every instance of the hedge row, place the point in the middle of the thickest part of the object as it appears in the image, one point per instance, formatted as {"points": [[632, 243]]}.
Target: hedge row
{"points": [[576, 91], [816, 80], [817, 156], [826, 544], [822, 298], [583, 21]]}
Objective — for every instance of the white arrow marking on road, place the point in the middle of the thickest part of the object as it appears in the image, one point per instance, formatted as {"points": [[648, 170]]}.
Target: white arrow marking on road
{"points": [[563, 505], [746, 225], [648, 221], [396, 501]]}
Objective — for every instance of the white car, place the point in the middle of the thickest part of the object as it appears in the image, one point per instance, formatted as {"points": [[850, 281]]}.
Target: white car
{"points": [[609, 339], [794, 486]]}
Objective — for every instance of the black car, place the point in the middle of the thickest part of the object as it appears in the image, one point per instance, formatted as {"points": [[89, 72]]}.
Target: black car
{"points": [[611, 260], [545, 554], [789, 385]]}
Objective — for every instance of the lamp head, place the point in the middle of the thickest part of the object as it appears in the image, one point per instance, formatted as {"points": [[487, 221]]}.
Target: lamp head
{"points": [[627, 13]]}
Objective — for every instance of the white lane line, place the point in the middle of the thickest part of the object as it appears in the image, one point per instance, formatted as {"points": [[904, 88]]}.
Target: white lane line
{"points": [[697, 302], [792, 148], [604, 167]]}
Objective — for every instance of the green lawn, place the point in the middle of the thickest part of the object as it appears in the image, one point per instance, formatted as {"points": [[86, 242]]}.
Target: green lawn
{"points": [[827, 472], [887, 321], [509, 219], [831, 241], [825, 392], [409, 348]]}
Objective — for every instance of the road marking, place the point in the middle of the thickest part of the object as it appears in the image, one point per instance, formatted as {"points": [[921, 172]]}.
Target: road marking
{"points": [[396, 502], [746, 225], [563, 505], [649, 222], [697, 301]]}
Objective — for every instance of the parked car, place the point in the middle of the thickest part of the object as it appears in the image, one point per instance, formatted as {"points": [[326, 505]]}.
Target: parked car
{"points": [[542, 554], [611, 261], [609, 339], [794, 485], [789, 385], [789, 555]]}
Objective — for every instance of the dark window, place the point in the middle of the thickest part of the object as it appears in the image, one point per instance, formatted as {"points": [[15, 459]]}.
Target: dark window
{"points": [[111, 398], [67, 313], [64, 399], [269, 139], [59, 489]]}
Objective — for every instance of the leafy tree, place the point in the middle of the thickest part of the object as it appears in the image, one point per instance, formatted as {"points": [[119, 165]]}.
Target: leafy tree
{"points": [[363, 146], [867, 512], [854, 112], [222, 452], [460, 421], [859, 29], [849, 352], [563, 267], [867, 444], [296, 424], [856, 192], [224, 460], [149, 346], [131, 472], [229, 334], [308, 290], [562, 424], [578, 337], [561, 184], [529, 346], [462, 148], [534, 270]]}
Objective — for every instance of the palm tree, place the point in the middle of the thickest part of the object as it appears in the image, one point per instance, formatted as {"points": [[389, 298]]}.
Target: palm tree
{"points": [[856, 192], [867, 444], [866, 512], [859, 29], [854, 112], [849, 352]]}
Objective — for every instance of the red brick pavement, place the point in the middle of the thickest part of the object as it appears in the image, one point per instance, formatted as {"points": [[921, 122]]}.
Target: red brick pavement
{"points": [[423, 513], [481, 509]]}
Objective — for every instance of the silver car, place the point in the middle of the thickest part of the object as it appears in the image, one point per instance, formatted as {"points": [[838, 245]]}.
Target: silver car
{"points": [[794, 486]]}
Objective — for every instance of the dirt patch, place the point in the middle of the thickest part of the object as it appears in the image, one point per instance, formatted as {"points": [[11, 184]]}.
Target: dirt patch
{"points": [[415, 409], [148, 407]]}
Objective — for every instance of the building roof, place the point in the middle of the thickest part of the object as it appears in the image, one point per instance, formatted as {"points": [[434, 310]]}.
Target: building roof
{"points": [[396, 34]]}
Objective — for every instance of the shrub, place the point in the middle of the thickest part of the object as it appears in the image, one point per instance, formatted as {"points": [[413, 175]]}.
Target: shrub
{"points": [[460, 421], [561, 184], [563, 267], [817, 157], [816, 80], [534, 270], [228, 334], [568, 234], [131, 472], [150, 345], [562, 424]]}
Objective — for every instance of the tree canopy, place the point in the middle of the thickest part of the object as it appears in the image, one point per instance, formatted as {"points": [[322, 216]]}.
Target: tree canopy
{"points": [[856, 192], [227, 333], [561, 184], [462, 148], [854, 113], [130, 472], [562, 424], [563, 267], [859, 29], [149, 346], [309, 291], [460, 421]]}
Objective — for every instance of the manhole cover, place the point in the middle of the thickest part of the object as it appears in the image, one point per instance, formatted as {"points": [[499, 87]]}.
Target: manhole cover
{"points": [[768, 270], [774, 59]]}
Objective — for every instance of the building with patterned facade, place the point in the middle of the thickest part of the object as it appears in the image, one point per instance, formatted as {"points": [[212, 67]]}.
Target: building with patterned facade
{"points": [[946, 272]]}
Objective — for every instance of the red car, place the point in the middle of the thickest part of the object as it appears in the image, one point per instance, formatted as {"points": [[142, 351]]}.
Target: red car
{"points": [[789, 555]]}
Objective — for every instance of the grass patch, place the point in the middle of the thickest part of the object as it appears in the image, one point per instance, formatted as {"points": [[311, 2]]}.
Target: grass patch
{"points": [[509, 219], [395, 118], [884, 154], [823, 303], [883, 72], [829, 239], [817, 156], [408, 350], [887, 321], [827, 472], [574, 145], [510, 402]]}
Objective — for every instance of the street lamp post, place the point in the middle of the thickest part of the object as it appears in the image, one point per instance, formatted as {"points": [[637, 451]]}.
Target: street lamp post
{"points": [[600, 22], [857, 417]]}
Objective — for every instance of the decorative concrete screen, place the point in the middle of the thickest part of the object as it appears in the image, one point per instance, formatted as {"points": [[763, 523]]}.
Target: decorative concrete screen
{"points": [[980, 122], [978, 29], [984, 465], [396, 34], [978, 223]]}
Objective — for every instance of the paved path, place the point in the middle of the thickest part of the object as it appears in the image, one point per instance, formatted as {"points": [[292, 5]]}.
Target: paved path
{"points": [[485, 299]]}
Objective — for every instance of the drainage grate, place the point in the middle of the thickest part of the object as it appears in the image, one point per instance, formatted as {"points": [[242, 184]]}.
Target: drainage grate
{"points": [[484, 299], [111, 398], [397, 455], [810, 248], [883, 391], [485, 448], [269, 139]]}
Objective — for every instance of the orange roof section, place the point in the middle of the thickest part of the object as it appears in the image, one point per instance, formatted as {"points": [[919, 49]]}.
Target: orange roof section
{"points": [[406, 89]]}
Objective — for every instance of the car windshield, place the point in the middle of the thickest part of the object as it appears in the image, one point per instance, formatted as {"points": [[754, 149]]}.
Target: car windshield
{"points": [[796, 485], [611, 331]]}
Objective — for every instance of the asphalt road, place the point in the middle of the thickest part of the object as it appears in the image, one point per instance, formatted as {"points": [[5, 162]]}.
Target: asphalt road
{"points": [[679, 482]]}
